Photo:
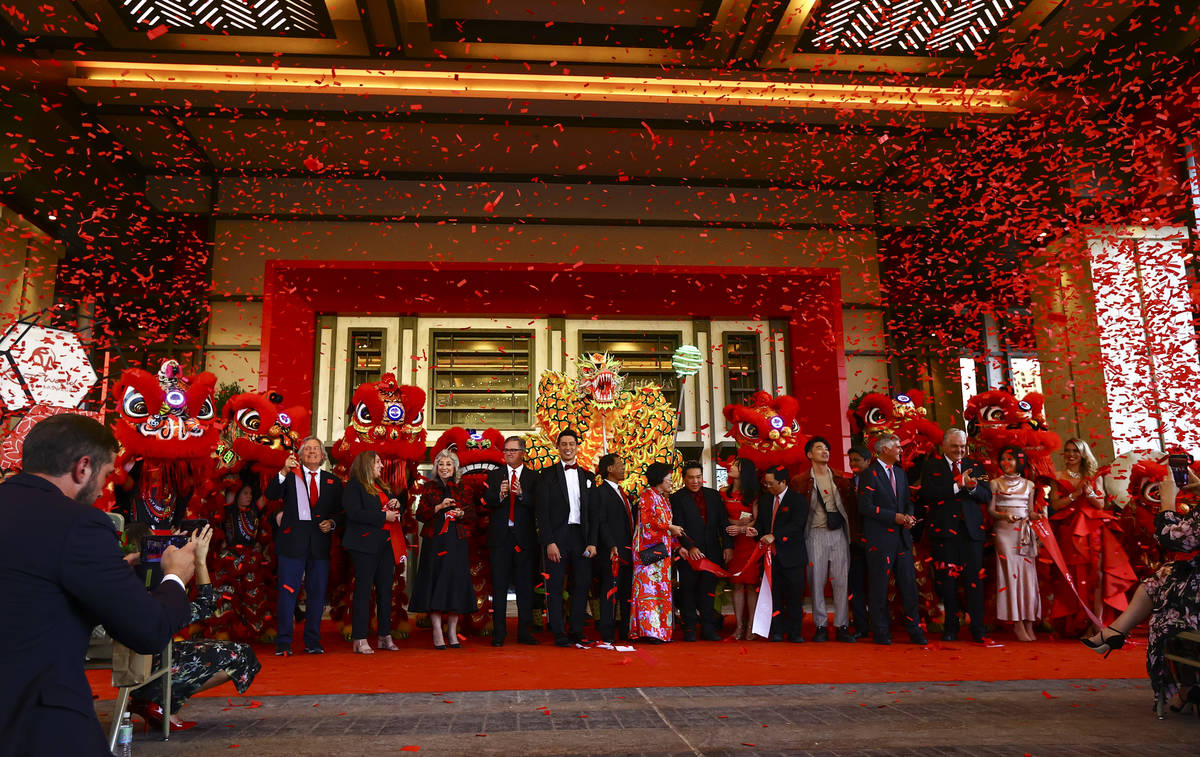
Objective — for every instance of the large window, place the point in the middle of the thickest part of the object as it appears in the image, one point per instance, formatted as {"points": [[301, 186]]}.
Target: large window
{"points": [[742, 368], [481, 378], [366, 358], [645, 357]]}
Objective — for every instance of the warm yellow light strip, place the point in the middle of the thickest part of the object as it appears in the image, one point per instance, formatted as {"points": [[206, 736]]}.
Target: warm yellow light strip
{"points": [[741, 93]]}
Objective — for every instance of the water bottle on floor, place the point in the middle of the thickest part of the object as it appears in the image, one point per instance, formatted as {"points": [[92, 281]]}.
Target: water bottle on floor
{"points": [[125, 737]]}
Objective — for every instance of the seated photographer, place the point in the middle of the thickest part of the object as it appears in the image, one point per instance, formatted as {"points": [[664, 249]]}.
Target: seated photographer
{"points": [[1170, 598], [196, 665]]}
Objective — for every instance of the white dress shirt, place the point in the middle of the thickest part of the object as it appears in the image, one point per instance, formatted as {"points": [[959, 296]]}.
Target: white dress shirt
{"points": [[573, 495]]}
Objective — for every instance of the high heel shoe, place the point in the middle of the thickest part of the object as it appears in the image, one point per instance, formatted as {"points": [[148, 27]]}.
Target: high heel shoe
{"points": [[386, 644], [153, 715], [1191, 700], [362, 647], [1106, 646], [739, 633]]}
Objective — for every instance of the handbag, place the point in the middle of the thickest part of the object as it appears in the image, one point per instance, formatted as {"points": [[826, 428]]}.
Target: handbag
{"points": [[834, 520], [654, 553]]}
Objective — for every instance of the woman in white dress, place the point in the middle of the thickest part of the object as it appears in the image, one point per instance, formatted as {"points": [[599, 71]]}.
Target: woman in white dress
{"points": [[1014, 504]]}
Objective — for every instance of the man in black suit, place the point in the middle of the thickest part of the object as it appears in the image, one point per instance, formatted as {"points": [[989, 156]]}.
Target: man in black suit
{"points": [[782, 518], [951, 499], [567, 536], [701, 513], [61, 573], [615, 518], [512, 540], [859, 459], [887, 512], [312, 509]]}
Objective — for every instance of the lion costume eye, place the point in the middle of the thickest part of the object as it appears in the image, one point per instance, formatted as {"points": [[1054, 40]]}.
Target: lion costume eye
{"points": [[417, 419], [362, 414], [206, 411], [134, 404], [991, 413], [749, 430], [874, 417], [795, 427], [249, 419], [1150, 493]]}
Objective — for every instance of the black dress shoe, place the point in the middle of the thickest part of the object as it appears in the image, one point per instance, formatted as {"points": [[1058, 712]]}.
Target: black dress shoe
{"points": [[709, 635], [497, 642], [455, 645], [527, 640], [315, 650], [796, 638], [950, 635], [282, 651], [861, 633], [843, 635], [822, 634], [440, 647], [689, 634], [775, 637], [607, 639], [881, 639], [577, 638], [918, 638], [562, 641]]}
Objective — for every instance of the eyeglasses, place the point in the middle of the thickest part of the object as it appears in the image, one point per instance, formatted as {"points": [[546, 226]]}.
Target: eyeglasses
{"points": [[513, 450]]}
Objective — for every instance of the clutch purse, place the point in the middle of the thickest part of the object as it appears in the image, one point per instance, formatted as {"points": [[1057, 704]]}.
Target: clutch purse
{"points": [[654, 553]]}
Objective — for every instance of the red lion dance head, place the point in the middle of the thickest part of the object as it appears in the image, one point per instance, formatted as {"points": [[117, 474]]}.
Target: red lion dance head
{"points": [[997, 419], [1132, 483], [479, 452], [261, 432], [387, 418], [767, 431], [875, 414], [166, 416]]}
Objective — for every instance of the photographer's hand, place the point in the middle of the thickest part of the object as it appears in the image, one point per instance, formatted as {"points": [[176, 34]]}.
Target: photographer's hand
{"points": [[180, 562]]}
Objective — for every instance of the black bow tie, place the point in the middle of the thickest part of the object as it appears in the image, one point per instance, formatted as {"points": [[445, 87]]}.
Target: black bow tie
{"points": [[570, 466]]}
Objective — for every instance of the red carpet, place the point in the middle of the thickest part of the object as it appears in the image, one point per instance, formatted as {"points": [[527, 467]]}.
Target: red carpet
{"points": [[480, 667]]}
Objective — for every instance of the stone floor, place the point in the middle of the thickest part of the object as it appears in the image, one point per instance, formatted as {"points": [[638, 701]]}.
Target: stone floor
{"points": [[1101, 717]]}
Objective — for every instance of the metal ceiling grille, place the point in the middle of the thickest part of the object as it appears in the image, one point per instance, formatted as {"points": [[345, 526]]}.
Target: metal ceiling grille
{"points": [[292, 18], [908, 25]]}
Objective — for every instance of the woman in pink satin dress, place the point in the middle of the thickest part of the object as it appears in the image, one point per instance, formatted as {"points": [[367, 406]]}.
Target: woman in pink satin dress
{"points": [[1014, 504]]}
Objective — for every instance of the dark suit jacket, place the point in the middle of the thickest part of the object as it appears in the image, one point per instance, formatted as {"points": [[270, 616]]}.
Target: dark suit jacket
{"points": [[612, 521], [952, 515], [302, 538], [61, 573], [554, 508], [524, 517], [364, 519], [706, 533], [878, 505], [789, 528]]}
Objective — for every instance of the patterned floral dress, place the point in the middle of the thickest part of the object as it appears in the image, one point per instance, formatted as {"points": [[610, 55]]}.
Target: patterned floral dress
{"points": [[1175, 593], [194, 662], [651, 612]]}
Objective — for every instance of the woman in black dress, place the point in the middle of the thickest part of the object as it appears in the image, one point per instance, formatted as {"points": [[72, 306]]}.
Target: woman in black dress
{"points": [[200, 664], [444, 570], [370, 538]]}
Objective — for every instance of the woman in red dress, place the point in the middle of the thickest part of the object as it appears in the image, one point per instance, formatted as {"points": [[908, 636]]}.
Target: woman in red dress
{"points": [[1090, 539], [741, 504]]}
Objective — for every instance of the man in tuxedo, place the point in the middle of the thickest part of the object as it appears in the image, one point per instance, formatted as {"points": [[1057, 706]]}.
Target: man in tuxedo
{"points": [[61, 573], [564, 528], [887, 512], [512, 540], [614, 517], [782, 518], [312, 509], [701, 513], [951, 499]]}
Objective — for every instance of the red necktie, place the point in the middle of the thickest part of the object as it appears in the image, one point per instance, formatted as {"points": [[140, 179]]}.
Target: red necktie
{"points": [[957, 474], [512, 498], [312, 489], [700, 505], [775, 510], [628, 510]]}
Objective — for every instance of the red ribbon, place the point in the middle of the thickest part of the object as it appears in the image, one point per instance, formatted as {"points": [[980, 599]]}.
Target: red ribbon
{"points": [[1041, 527], [709, 566]]}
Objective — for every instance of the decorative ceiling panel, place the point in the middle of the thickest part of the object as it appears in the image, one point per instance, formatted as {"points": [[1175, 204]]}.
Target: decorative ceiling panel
{"points": [[907, 26], [288, 18]]}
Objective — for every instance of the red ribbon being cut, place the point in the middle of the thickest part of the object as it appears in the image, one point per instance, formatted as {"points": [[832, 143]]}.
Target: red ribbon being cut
{"points": [[1041, 527]]}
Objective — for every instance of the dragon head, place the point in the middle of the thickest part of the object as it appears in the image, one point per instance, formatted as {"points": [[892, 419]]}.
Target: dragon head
{"points": [[767, 431], [386, 417], [479, 451], [874, 415], [261, 431], [600, 379], [166, 415]]}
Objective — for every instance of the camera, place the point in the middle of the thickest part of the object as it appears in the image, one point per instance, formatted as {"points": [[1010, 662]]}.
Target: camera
{"points": [[1179, 463]]}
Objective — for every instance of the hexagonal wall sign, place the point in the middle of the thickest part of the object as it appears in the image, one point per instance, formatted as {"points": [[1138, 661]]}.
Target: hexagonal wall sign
{"points": [[44, 367]]}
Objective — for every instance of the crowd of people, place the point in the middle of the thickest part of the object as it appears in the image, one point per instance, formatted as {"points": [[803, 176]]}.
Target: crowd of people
{"points": [[650, 559]]}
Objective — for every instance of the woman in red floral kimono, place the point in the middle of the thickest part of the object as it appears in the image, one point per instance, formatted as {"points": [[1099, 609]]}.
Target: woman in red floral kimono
{"points": [[651, 613], [1090, 539]]}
